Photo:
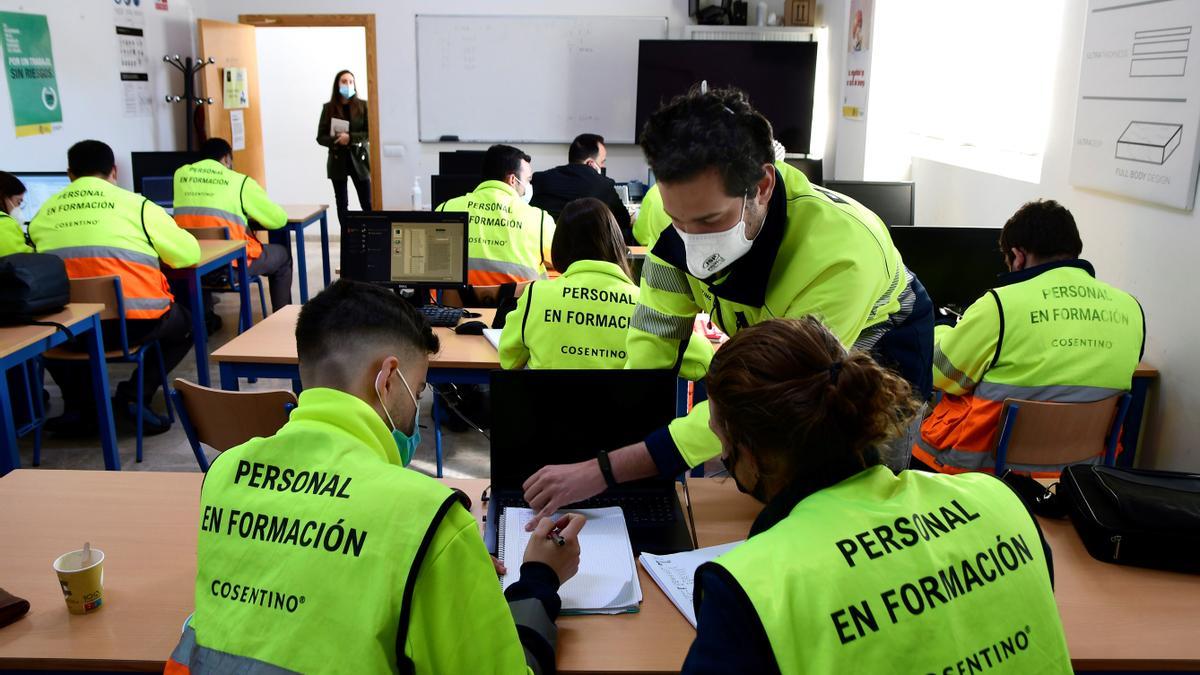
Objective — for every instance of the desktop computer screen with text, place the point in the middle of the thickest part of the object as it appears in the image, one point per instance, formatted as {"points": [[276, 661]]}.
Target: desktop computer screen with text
{"points": [[406, 248]]}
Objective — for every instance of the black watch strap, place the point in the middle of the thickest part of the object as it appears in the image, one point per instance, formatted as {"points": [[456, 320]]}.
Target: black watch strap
{"points": [[606, 468]]}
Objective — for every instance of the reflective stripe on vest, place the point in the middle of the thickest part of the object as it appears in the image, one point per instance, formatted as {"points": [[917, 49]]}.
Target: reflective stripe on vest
{"points": [[1077, 345], [917, 573], [484, 272]]}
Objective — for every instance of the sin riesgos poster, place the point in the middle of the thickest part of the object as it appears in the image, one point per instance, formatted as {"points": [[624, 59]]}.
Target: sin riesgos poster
{"points": [[858, 59], [29, 69]]}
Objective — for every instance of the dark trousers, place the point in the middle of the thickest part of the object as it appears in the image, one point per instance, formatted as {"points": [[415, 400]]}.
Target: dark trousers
{"points": [[361, 185], [173, 331], [275, 264], [908, 348]]}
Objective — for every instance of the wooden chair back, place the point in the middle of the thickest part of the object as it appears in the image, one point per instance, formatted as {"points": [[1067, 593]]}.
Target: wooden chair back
{"points": [[219, 233], [1045, 433], [102, 290], [225, 419]]}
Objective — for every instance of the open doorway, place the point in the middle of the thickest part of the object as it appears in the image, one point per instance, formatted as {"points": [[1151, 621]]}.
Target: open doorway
{"points": [[298, 56]]}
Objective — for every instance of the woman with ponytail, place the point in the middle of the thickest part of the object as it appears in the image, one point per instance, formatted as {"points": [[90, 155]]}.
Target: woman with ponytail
{"points": [[850, 567]]}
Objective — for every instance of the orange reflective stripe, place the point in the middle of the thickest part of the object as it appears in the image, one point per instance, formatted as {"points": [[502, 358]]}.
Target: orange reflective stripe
{"points": [[485, 278], [147, 294], [192, 221], [174, 667]]}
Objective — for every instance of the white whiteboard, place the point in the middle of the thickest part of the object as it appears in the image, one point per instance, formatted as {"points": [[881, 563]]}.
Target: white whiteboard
{"points": [[533, 79]]}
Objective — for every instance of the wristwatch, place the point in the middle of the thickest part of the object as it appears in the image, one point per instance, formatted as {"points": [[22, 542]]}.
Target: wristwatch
{"points": [[606, 468]]}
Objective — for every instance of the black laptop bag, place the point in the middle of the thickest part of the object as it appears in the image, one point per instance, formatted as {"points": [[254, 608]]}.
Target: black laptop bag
{"points": [[1135, 517], [32, 285]]}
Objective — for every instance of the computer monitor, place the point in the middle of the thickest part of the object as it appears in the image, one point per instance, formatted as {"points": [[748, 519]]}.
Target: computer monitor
{"points": [[892, 202], [446, 187], [40, 186], [159, 189], [161, 164], [413, 249], [462, 163], [957, 265]]}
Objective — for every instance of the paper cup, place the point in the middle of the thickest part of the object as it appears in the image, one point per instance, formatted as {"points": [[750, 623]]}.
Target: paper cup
{"points": [[82, 584]]}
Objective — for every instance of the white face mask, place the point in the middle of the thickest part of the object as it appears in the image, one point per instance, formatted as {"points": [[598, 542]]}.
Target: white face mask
{"points": [[528, 193], [17, 212], [709, 254]]}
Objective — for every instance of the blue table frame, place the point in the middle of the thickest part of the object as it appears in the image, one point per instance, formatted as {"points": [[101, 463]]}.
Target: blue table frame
{"points": [[1139, 395], [191, 276], [283, 236], [89, 328]]}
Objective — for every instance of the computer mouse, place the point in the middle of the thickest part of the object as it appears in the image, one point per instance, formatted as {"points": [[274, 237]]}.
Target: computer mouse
{"points": [[471, 328]]}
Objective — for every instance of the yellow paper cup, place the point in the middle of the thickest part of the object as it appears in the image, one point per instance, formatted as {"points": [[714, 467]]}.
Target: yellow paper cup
{"points": [[82, 580]]}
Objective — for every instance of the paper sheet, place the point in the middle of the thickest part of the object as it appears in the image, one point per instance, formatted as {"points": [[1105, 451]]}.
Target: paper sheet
{"points": [[338, 126], [675, 574], [493, 336]]}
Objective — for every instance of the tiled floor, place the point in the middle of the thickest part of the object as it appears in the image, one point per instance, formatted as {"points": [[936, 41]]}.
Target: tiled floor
{"points": [[466, 453]]}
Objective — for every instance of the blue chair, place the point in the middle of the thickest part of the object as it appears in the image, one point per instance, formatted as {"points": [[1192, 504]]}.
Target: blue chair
{"points": [[107, 291], [224, 419], [222, 233], [1044, 433]]}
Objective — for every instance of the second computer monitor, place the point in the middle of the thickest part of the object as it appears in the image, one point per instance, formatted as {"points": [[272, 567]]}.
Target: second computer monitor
{"points": [[40, 186], [892, 202], [957, 265], [406, 248]]}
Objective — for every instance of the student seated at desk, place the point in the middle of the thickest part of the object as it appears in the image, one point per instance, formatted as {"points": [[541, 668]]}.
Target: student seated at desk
{"points": [[1049, 331], [12, 235], [100, 229], [389, 567], [209, 193], [851, 568], [581, 319], [582, 176]]}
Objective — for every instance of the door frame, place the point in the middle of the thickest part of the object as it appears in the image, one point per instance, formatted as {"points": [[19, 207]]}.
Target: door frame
{"points": [[367, 22]]}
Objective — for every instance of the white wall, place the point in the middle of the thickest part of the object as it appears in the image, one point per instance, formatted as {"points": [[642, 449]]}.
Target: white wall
{"points": [[83, 37], [397, 88], [295, 71], [1147, 250]]}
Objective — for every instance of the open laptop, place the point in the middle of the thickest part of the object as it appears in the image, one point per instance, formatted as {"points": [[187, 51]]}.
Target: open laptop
{"points": [[542, 417]]}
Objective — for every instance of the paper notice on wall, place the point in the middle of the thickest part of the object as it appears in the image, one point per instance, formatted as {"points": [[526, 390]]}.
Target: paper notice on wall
{"points": [[133, 60], [237, 129], [858, 59], [135, 94], [29, 69], [236, 95], [1137, 118]]}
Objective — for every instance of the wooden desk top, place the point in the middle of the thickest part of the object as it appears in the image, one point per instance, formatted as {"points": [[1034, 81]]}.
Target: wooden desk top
{"points": [[273, 340], [211, 249], [15, 338], [145, 522], [1145, 370], [298, 213]]}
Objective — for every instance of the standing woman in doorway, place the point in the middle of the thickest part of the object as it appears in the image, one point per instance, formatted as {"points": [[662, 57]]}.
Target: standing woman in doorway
{"points": [[349, 150]]}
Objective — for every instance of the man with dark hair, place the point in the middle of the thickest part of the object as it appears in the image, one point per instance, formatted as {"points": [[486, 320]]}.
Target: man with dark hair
{"points": [[99, 229], [350, 561], [1049, 331], [750, 239], [582, 176], [209, 193], [509, 239]]}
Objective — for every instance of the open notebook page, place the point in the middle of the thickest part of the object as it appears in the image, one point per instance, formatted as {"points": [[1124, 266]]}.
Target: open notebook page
{"points": [[675, 574]]}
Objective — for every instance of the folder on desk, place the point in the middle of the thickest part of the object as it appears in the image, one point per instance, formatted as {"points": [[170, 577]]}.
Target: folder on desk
{"points": [[675, 574], [607, 580], [493, 336]]}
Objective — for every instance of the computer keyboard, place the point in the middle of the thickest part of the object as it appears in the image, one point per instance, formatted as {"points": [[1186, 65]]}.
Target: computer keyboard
{"points": [[647, 509], [441, 317]]}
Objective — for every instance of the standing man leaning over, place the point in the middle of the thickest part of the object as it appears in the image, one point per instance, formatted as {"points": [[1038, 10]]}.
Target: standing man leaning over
{"points": [[509, 239], [319, 551], [210, 193], [99, 229], [751, 240], [1050, 331], [582, 176]]}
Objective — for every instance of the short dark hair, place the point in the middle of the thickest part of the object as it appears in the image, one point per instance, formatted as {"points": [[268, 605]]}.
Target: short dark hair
{"points": [[697, 132], [1043, 228], [348, 317], [90, 158], [215, 148], [587, 230], [10, 186], [585, 147], [501, 160]]}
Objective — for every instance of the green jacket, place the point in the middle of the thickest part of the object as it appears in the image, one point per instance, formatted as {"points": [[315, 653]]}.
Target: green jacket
{"points": [[818, 254], [355, 158], [12, 236], [277, 583], [581, 320]]}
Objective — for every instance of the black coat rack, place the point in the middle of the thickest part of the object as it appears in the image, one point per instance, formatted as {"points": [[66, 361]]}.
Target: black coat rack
{"points": [[189, 66]]}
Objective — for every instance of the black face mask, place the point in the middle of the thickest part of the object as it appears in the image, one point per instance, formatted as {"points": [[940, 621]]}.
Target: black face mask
{"points": [[758, 491]]}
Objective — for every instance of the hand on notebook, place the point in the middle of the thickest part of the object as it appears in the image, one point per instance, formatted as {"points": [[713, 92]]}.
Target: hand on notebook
{"points": [[556, 485], [564, 558]]}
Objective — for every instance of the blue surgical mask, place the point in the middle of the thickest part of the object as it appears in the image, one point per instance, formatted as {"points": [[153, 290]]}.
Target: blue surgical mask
{"points": [[346, 90], [406, 444]]}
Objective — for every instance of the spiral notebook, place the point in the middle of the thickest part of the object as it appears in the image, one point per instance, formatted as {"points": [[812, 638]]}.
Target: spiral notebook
{"points": [[607, 580], [675, 574]]}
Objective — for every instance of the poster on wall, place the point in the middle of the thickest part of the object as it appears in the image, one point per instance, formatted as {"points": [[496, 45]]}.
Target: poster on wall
{"points": [[29, 68], [236, 95], [858, 59], [134, 71], [1137, 120]]}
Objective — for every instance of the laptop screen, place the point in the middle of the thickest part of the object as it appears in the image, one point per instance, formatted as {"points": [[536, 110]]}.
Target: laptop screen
{"points": [[542, 417]]}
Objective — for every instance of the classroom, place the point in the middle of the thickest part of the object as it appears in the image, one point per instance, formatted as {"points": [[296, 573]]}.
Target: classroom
{"points": [[636, 336]]}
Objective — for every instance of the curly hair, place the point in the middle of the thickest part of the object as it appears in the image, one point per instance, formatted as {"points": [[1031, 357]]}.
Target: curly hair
{"points": [[699, 131], [788, 392]]}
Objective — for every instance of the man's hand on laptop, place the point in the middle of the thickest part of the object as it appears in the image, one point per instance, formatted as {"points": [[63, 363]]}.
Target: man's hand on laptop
{"points": [[557, 485]]}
